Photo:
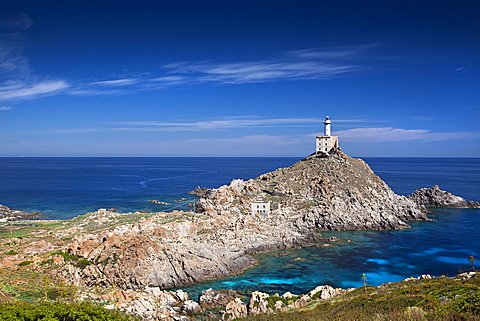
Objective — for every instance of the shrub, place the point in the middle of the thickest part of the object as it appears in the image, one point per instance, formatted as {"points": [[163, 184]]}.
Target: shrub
{"points": [[25, 263], [59, 311]]}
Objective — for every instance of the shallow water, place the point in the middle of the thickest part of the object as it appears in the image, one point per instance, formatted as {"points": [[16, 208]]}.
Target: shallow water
{"points": [[440, 247]]}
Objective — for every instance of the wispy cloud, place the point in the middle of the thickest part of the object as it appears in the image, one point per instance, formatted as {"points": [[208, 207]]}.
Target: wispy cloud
{"points": [[223, 124], [226, 124], [5, 108], [423, 118], [311, 64], [16, 80], [463, 67], [210, 125], [13, 63], [390, 134], [37, 89], [334, 53], [472, 107], [295, 65], [117, 82], [22, 22]]}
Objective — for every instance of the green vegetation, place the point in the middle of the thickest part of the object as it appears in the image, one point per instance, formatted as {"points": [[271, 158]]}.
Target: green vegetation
{"points": [[425, 299], [81, 263], [25, 263], [59, 311], [273, 299]]}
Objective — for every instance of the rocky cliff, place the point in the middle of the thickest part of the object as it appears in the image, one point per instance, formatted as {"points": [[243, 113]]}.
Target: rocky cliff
{"points": [[172, 249], [334, 192]]}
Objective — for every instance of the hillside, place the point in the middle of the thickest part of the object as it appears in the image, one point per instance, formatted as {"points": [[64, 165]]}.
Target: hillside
{"points": [[331, 192]]}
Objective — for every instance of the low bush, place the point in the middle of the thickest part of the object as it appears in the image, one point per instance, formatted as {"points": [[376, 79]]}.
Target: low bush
{"points": [[59, 311]]}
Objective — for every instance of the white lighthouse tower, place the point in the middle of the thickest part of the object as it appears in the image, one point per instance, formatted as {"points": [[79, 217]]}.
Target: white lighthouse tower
{"points": [[327, 142], [326, 126]]}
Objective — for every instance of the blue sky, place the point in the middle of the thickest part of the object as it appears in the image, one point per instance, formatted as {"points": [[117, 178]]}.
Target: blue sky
{"points": [[239, 78]]}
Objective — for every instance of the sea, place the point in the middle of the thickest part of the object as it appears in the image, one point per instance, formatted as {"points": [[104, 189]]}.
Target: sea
{"points": [[62, 188]]}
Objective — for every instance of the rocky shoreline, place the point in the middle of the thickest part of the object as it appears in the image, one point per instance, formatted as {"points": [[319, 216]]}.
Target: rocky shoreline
{"points": [[141, 255], [9, 215]]}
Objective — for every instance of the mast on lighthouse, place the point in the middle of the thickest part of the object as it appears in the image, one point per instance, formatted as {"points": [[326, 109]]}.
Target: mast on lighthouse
{"points": [[327, 142]]}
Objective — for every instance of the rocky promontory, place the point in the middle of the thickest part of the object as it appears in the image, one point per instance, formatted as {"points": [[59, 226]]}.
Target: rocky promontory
{"points": [[324, 191]]}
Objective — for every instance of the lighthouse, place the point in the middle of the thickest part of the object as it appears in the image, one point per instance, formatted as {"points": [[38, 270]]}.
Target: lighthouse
{"points": [[326, 126], [327, 142]]}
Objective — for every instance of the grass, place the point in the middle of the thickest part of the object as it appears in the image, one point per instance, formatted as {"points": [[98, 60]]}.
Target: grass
{"points": [[426, 299]]}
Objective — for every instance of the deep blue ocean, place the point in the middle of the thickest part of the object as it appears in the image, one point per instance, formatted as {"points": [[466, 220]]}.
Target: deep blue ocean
{"points": [[63, 188]]}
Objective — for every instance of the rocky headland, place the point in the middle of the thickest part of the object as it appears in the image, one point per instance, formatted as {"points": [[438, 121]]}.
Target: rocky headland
{"points": [[324, 191], [139, 256]]}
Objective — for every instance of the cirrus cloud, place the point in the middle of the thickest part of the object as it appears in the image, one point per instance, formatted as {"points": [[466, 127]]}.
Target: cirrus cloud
{"points": [[390, 134], [21, 91]]}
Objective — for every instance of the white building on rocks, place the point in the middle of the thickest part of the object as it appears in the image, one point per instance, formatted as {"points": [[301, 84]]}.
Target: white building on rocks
{"points": [[260, 207], [326, 142]]}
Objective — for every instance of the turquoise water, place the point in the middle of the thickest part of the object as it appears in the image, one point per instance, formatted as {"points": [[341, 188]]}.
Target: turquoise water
{"points": [[62, 188], [440, 247]]}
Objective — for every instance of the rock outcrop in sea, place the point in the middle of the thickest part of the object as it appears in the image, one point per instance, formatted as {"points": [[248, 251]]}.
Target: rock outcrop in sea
{"points": [[435, 197]]}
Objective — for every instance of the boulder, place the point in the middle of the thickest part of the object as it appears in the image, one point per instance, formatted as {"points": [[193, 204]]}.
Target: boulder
{"points": [[234, 310]]}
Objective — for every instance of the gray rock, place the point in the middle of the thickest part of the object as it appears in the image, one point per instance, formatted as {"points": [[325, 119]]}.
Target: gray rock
{"points": [[191, 307], [235, 309], [435, 197], [217, 298]]}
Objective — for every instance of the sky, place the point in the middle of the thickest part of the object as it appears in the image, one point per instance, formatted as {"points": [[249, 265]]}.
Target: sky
{"points": [[239, 77]]}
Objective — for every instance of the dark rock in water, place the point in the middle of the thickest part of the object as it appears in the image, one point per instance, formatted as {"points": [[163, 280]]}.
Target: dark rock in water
{"points": [[435, 197], [7, 214], [201, 192]]}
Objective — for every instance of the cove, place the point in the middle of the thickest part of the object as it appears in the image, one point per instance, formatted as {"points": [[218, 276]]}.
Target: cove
{"points": [[439, 247]]}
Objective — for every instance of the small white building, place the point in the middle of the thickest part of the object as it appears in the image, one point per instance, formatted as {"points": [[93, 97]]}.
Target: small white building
{"points": [[260, 207], [326, 142]]}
